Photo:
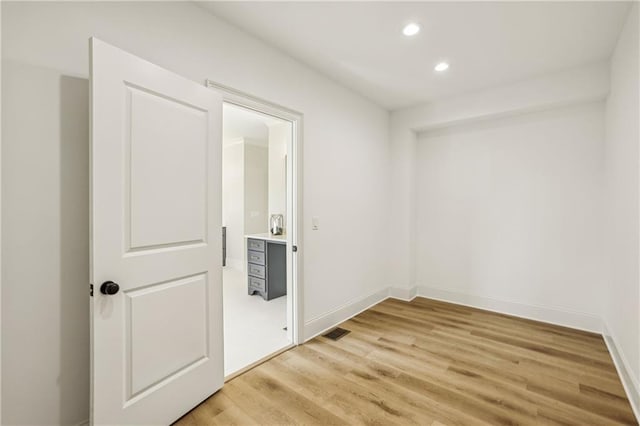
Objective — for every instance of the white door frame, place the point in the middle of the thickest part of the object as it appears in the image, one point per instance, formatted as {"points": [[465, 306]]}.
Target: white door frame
{"points": [[294, 187]]}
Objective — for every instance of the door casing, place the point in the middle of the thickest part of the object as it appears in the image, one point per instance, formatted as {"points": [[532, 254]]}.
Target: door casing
{"points": [[294, 202]]}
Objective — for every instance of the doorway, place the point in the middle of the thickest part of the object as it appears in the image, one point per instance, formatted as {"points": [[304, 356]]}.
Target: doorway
{"points": [[157, 323], [258, 218]]}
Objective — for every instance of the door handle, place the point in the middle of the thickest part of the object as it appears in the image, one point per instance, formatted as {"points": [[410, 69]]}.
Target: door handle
{"points": [[109, 288]]}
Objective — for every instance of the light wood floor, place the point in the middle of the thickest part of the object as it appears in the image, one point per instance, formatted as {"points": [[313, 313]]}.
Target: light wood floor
{"points": [[429, 363]]}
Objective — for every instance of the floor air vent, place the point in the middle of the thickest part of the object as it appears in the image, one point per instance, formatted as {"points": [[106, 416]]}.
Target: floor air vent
{"points": [[336, 333]]}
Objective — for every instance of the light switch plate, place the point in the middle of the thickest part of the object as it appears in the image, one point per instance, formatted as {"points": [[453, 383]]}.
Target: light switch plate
{"points": [[315, 223]]}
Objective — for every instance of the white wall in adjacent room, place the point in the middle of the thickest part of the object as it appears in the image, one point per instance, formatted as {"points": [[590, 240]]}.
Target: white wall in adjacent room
{"points": [[245, 166], [45, 167], [256, 188], [511, 208], [233, 201], [279, 139], [622, 286]]}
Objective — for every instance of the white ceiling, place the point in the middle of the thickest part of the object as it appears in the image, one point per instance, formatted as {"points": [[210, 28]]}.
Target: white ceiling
{"points": [[361, 45], [238, 122]]}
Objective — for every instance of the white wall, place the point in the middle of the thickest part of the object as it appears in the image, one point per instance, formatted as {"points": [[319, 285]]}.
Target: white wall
{"points": [[622, 295], [45, 346], [569, 87], [45, 246], [279, 139], [256, 188], [511, 209], [245, 164], [233, 201]]}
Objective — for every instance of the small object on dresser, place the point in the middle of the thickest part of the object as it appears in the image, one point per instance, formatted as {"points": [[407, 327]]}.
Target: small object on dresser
{"points": [[276, 224]]}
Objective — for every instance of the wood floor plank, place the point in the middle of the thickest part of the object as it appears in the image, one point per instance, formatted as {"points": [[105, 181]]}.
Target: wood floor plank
{"points": [[596, 349], [429, 362]]}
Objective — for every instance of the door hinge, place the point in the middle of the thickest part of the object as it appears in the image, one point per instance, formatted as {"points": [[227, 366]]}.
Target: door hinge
{"points": [[294, 248], [91, 290]]}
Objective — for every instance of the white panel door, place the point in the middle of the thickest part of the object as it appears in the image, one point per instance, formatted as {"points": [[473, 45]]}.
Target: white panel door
{"points": [[156, 343]]}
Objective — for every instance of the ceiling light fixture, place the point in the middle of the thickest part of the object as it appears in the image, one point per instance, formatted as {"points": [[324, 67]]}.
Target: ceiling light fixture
{"points": [[442, 66], [411, 29]]}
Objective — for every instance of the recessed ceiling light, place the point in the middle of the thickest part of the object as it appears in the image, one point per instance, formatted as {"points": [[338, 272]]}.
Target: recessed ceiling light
{"points": [[442, 66], [411, 29]]}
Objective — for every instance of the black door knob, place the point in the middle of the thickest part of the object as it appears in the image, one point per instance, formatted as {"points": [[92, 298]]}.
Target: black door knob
{"points": [[109, 288]]}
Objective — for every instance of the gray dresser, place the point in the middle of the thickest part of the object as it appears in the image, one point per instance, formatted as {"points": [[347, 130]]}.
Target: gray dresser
{"points": [[267, 268]]}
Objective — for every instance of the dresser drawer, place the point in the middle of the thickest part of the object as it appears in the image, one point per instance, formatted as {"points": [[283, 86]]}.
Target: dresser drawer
{"points": [[257, 245], [255, 257], [256, 270], [257, 284]]}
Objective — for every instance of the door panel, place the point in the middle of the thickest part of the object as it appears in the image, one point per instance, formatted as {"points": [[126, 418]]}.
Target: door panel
{"points": [[156, 345], [171, 188], [154, 357]]}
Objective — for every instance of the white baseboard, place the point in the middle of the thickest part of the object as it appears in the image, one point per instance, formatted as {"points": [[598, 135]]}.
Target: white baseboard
{"points": [[566, 318], [83, 423], [406, 294], [629, 382], [319, 325]]}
